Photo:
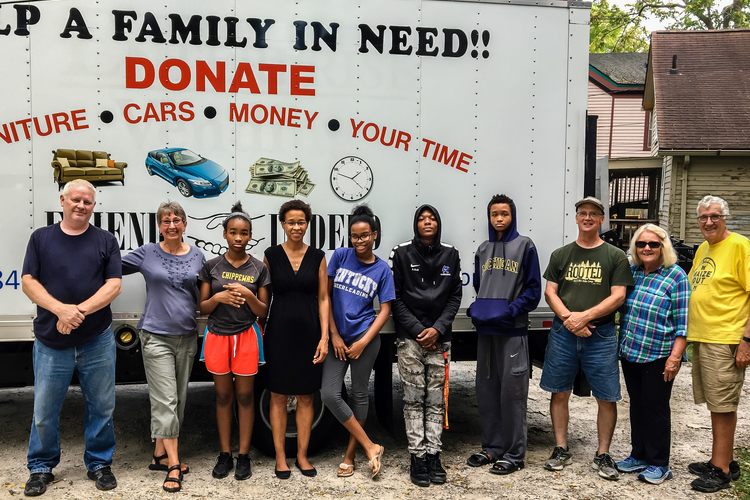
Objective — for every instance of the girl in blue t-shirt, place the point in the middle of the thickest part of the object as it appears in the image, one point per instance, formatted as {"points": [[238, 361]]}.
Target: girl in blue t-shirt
{"points": [[355, 276]]}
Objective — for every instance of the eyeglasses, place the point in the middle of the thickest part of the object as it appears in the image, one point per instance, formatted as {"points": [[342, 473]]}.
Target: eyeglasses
{"points": [[593, 215], [167, 222], [361, 237], [651, 244], [301, 223], [714, 218]]}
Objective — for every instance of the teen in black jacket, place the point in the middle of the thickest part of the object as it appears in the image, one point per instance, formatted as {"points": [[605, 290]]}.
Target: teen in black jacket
{"points": [[427, 278]]}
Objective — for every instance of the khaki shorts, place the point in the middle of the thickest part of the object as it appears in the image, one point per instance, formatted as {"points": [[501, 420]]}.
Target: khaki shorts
{"points": [[716, 379]]}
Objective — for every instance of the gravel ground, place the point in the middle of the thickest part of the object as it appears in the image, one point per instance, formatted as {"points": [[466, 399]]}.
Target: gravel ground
{"points": [[199, 447]]}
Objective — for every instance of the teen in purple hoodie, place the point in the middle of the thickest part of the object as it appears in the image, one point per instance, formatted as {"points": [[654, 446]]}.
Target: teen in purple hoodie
{"points": [[508, 284]]}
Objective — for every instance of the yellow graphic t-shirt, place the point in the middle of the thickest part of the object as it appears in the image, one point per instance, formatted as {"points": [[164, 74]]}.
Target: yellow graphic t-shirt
{"points": [[720, 298]]}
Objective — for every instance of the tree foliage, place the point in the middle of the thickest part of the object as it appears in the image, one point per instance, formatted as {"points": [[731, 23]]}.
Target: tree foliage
{"points": [[621, 30], [616, 30]]}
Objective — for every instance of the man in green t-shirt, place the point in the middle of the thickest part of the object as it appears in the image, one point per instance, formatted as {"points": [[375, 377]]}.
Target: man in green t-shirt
{"points": [[586, 283]]}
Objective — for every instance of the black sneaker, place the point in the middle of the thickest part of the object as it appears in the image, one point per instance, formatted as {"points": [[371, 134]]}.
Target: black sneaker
{"points": [[713, 480], [104, 478], [700, 468], [435, 469], [224, 464], [37, 483], [242, 471], [418, 472]]}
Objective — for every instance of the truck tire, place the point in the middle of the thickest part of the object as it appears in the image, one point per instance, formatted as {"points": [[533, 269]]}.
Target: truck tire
{"points": [[325, 427]]}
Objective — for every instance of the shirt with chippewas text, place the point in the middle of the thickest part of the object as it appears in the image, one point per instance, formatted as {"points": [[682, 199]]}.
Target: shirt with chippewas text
{"points": [[253, 274]]}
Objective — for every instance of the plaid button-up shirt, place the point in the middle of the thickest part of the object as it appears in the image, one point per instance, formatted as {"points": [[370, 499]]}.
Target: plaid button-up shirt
{"points": [[656, 311]]}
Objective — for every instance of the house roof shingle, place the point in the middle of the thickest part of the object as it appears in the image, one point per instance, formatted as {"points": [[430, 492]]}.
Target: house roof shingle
{"points": [[623, 68], [707, 105]]}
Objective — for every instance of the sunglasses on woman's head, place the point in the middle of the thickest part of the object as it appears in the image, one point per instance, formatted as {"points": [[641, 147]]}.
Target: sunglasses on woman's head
{"points": [[651, 244]]}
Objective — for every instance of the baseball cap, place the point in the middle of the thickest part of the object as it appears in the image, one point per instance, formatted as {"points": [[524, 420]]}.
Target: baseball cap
{"points": [[593, 201]]}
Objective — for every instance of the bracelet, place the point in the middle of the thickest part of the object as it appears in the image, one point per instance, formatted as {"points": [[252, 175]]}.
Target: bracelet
{"points": [[746, 339]]}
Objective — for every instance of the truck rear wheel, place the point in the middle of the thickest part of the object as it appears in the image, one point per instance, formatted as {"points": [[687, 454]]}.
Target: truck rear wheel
{"points": [[323, 425]]}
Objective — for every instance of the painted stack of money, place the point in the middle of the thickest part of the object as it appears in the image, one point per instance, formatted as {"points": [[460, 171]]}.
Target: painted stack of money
{"points": [[276, 178]]}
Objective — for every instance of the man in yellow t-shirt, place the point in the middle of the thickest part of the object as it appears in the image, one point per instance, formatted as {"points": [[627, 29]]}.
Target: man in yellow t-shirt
{"points": [[719, 327]]}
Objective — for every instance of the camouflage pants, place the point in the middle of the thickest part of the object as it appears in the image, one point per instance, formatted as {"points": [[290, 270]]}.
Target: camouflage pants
{"points": [[423, 376]]}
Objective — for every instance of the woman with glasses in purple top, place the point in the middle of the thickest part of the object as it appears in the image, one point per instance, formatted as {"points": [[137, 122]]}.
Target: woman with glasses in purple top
{"points": [[168, 332]]}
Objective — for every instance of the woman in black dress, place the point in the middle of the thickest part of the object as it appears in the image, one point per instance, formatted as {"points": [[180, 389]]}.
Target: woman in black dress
{"points": [[296, 340]]}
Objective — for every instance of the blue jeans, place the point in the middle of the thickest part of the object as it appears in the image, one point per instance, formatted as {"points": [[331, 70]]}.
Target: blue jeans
{"points": [[596, 355], [94, 362]]}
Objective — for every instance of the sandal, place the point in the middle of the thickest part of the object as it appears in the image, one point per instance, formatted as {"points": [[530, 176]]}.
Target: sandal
{"points": [[170, 479], [377, 460], [345, 467], [157, 465], [504, 467], [480, 459]]}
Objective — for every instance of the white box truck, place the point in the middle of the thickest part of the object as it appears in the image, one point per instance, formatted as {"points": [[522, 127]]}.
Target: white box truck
{"points": [[425, 101]]}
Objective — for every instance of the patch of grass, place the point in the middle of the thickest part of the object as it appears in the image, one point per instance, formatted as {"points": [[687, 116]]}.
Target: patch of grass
{"points": [[742, 485], [689, 352]]}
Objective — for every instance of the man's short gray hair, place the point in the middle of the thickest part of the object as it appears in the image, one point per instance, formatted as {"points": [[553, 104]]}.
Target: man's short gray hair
{"points": [[78, 183], [709, 200]]}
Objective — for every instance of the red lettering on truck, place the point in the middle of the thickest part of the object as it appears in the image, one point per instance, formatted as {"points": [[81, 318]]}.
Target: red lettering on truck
{"points": [[176, 75], [442, 154], [166, 110], [371, 132], [55, 122], [260, 114]]}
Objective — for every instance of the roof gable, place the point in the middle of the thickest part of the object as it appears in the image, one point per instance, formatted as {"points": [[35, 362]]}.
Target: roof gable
{"points": [[705, 103], [622, 69]]}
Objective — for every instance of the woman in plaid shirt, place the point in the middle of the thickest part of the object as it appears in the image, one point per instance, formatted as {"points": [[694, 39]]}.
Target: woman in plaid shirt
{"points": [[652, 341]]}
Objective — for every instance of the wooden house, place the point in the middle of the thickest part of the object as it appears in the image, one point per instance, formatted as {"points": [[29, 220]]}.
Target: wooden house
{"points": [[697, 91], [616, 86]]}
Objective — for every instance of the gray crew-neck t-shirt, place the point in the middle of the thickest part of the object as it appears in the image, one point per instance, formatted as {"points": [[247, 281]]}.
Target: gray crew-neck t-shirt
{"points": [[253, 274]]}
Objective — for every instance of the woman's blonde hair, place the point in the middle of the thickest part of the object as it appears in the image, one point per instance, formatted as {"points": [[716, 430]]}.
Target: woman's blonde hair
{"points": [[668, 255]]}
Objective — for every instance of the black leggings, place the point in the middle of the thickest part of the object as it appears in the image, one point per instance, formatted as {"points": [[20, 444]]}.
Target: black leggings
{"points": [[650, 414]]}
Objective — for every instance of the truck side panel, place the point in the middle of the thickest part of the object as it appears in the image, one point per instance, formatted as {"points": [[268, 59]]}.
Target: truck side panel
{"points": [[441, 102]]}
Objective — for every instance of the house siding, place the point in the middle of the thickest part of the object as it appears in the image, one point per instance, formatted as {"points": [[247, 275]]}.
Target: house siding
{"points": [[726, 177], [629, 128], [675, 198], [600, 104], [667, 194], [624, 137]]}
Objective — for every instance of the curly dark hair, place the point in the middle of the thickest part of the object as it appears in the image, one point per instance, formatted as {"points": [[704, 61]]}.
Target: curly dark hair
{"points": [[500, 198], [295, 205]]}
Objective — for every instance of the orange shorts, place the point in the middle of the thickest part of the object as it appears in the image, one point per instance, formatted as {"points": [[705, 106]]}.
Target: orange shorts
{"points": [[240, 354]]}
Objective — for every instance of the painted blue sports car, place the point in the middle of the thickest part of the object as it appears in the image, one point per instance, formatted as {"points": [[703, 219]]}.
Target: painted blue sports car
{"points": [[192, 174]]}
